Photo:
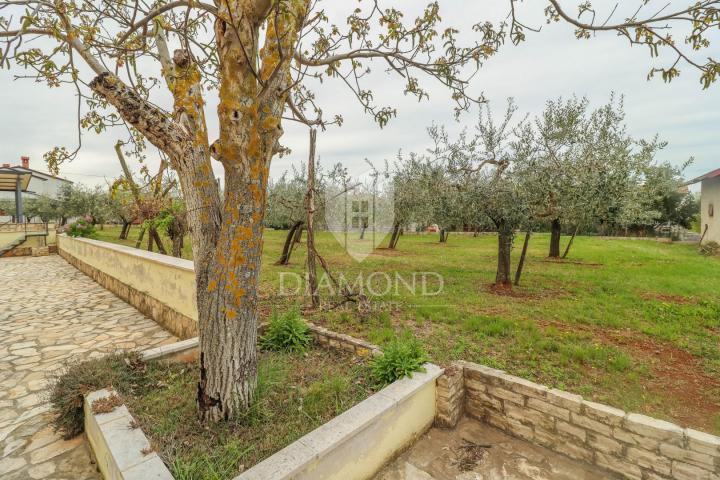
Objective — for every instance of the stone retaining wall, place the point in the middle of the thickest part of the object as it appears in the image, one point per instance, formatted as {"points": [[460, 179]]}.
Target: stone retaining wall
{"points": [[354, 345], [632, 445]]}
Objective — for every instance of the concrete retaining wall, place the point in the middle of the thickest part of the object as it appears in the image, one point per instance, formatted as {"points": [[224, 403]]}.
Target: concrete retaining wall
{"points": [[358, 443], [160, 286], [635, 446]]}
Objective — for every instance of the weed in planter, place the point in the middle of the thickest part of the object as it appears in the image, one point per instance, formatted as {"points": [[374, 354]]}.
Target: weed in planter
{"points": [[76, 380], [287, 332], [401, 358], [326, 395]]}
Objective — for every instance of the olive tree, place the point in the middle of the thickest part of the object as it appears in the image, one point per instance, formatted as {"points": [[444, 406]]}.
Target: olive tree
{"points": [[583, 165], [411, 196], [264, 57], [483, 166]]}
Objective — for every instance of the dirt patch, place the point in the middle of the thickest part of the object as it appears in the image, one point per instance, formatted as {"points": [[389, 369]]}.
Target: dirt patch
{"points": [[690, 395], [387, 252], [571, 262], [508, 291], [679, 299]]}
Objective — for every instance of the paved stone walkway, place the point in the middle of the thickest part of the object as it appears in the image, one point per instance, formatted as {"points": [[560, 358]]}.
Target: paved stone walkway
{"points": [[51, 313]]}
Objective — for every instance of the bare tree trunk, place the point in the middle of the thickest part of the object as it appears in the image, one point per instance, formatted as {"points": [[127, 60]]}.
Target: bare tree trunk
{"points": [[505, 241], [555, 234], [177, 246], [567, 249], [443, 235], [140, 237], [310, 208], [289, 241], [150, 240], [395, 236], [521, 262], [125, 230], [158, 241], [297, 238]]}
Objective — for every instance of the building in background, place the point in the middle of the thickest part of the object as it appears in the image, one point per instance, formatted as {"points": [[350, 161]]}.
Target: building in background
{"points": [[709, 200], [40, 183]]}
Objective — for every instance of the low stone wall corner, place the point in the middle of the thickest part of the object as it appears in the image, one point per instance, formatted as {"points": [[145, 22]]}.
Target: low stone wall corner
{"points": [[450, 396], [631, 445]]}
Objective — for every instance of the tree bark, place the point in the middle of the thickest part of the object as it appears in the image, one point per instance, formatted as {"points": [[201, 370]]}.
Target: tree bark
{"points": [[150, 240], [140, 237], [521, 262], [310, 208], [567, 249], [297, 238], [505, 241], [555, 234], [395, 236], [443, 235], [289, 241], [125, 230], [177, 247]]}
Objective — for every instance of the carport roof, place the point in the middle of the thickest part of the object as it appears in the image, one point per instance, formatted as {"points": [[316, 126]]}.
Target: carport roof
{"points": [[8, 179]]}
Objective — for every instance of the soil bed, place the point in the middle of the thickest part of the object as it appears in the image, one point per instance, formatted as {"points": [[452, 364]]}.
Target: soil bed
{"points": [[297, 392]]}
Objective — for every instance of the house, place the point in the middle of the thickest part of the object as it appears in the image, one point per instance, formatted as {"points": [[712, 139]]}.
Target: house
{"points": [[28, 183], [709, 199]]}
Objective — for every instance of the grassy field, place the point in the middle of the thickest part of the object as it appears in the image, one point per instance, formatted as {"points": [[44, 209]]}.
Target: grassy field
{"points": [[632, 323]]}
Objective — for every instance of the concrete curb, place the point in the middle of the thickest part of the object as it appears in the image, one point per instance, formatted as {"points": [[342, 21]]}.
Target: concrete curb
{"points": [[122, 452]]}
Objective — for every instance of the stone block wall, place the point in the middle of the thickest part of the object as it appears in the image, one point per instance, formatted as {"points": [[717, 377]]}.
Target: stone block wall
{"points": [[629, 444], [354, 345], [450, 396]]}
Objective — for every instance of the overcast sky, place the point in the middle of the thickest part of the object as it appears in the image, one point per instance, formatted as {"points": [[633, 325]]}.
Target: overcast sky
{"points": [[551, 63]]}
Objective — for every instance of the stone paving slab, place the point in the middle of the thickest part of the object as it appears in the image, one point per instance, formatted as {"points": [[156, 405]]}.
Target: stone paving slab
{"points": [[51, 313]]}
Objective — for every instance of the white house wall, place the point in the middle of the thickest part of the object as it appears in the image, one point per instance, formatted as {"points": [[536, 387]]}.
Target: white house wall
{"points": [[710, 194]]}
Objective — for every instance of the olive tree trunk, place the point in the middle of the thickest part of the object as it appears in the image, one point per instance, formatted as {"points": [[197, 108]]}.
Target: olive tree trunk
{"points": [[567, 249], [521, 262], [310, 209], [505, 242], [395, 237], [555, 234], [290, 241]]}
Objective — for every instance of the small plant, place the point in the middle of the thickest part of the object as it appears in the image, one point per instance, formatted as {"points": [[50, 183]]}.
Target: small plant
{"points": [[82, 228], [287, 332], [401, 358]]}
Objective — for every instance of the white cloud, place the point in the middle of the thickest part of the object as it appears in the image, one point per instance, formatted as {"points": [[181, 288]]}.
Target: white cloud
{"points": [[551, 63]]}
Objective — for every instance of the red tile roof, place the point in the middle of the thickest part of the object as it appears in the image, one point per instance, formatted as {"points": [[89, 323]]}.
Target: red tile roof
{"points": [[711, 174]]}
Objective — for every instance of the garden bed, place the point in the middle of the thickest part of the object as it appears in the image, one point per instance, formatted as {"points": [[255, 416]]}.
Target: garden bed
{"points": [[297, 392]]}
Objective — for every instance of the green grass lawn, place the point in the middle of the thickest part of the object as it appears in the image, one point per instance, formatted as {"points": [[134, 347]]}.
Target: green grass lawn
{"points": [[632, 323]]}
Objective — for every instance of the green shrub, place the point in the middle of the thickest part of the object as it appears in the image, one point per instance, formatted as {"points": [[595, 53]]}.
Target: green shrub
{"points": [[81, 228], [286, 333], [401, 358]]}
